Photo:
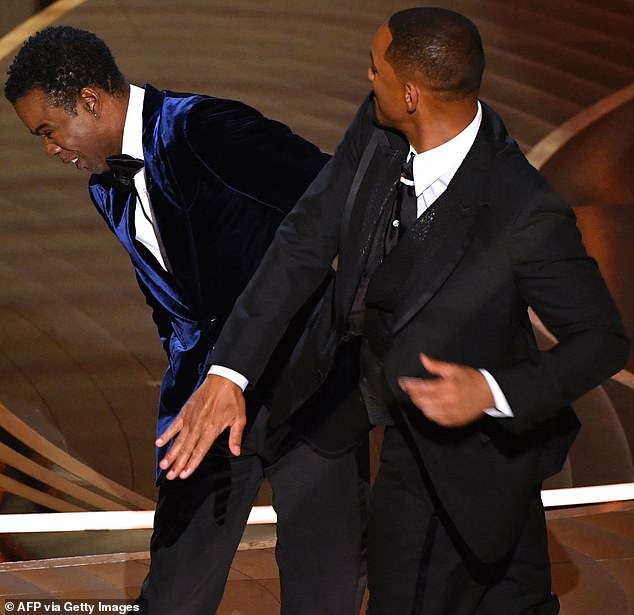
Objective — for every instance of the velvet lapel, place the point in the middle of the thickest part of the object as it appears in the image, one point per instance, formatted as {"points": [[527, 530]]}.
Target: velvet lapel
{"points": [[370, 197], [116, 205], [160, 151]]}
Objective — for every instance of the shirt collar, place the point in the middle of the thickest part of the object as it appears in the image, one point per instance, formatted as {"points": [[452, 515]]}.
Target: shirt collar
{"points": [[132, 143], [434, 164]]}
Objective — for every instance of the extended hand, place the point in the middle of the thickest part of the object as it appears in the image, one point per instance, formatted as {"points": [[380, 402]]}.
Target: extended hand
{"points": [[217, 404], [456, 397]]}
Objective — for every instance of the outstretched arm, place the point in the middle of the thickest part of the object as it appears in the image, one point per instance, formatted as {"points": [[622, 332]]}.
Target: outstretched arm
{"points": [[296, 263]]}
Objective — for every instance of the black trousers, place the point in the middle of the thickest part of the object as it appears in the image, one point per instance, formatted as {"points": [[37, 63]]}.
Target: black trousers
{"points": [[321, 505], [417, 567]]}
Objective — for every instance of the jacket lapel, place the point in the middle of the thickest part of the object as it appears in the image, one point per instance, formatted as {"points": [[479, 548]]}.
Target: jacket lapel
{"points": [[170, 218], [433, 265], [370, 195]]}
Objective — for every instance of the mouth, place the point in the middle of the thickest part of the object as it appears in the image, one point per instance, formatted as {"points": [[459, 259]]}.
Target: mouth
{"points": [[74, 161], [78, 165], [71, 160]]}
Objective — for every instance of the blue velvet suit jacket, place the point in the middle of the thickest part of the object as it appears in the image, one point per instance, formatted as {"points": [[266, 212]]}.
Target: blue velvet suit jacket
{"points": [[221, 177]]}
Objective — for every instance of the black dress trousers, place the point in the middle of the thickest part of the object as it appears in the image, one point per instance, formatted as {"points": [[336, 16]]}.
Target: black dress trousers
{"points": [[418, 565], [321, 505]]}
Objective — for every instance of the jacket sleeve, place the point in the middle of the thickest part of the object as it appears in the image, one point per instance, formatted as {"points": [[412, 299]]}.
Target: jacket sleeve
{"points": [[252, 154], [296, 263], [556, 277]]}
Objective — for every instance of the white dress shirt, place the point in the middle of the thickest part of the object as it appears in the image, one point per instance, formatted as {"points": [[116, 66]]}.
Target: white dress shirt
{"points": [[435, 168], [133, 146]]}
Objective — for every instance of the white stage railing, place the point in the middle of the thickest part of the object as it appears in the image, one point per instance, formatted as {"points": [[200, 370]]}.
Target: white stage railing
{"points": [[260, 515], [578, 496]]}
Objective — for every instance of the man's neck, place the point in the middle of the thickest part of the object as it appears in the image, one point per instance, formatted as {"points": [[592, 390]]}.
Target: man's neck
{"points": [[440, 124]]}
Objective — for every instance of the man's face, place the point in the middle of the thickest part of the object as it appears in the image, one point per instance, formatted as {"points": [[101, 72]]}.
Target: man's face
{"points": [[389, 90], [71, 137]]}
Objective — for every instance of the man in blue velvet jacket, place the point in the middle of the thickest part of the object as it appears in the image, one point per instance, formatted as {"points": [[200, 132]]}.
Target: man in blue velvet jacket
{"points": [[194, 187]]}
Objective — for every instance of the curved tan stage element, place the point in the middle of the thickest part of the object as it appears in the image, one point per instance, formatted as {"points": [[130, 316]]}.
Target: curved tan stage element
{"points": [[589, 160], [61, 478]]}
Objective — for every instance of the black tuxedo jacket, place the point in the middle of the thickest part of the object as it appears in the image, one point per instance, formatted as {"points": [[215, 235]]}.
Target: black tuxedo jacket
{"points": [[457, 287], [221, 177]]}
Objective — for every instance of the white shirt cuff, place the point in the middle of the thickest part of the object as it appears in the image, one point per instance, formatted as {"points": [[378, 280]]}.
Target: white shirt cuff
{"points": [[230, 374], [502, 409]]}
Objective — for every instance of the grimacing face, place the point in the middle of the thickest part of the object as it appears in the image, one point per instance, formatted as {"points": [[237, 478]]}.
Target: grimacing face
{"points": [[72, 137]]}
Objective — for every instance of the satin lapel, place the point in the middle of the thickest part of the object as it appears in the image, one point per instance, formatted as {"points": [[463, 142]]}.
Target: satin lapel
{"points": [[370, 196], [444, 234]]}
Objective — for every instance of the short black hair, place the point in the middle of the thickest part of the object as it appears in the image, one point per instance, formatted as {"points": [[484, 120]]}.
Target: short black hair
{"points": [[439, 45], [62, 60]]}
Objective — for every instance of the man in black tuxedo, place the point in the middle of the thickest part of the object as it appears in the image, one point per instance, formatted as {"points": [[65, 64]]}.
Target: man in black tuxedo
{"points": [[438, 262], [195, 199]]}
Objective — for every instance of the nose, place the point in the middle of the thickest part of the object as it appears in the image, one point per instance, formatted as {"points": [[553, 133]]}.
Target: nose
{"points": [[52, 149]]}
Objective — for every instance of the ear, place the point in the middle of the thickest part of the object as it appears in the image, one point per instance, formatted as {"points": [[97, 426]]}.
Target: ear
{"points": [[412, 96], [90, 101]]}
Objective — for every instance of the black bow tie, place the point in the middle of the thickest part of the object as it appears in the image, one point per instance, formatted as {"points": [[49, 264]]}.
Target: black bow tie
{"points": [[124, 168]]}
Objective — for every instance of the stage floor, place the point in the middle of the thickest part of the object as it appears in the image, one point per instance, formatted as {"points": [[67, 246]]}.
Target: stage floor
{"points": [[592, 551]]}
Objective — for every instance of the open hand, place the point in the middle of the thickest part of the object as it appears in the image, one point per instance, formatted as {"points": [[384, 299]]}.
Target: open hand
{"points": [[217, 404]]}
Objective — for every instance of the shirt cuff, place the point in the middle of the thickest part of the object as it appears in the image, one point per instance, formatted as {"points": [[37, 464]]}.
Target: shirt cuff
{"points": [[502, 409], [230, 374]]}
